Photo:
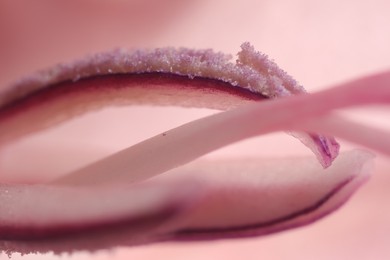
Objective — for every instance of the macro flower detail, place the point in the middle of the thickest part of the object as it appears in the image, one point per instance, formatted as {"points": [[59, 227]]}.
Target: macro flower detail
{"points": [[125, 199]]}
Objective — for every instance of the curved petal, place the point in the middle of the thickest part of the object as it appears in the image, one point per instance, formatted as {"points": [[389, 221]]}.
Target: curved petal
{"points": [[206, 200], [257, 197], [51, 218]]}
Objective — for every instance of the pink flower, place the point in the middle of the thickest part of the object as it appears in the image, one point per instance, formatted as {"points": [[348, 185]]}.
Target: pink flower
{"points": [[320, 44], [120, 200]]}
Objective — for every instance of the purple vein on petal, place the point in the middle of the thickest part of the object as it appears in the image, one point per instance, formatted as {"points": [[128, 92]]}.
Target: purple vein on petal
{"points": [[274, 194], [190, 141]]}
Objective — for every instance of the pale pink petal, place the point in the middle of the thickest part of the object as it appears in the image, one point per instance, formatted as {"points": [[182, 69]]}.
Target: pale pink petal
{"points": [[49, 218], [251, 197], [206, 200]]}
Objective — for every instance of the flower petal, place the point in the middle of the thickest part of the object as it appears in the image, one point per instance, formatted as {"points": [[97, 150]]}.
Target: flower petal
{"points": [[206, 200], [51, 218], [257, 197]]}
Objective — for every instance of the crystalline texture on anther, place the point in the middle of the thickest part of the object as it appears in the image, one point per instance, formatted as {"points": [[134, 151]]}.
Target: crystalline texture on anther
{"points": [[252, 78]]}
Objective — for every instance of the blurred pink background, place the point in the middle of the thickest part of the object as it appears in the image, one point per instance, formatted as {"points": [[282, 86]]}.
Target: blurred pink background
{"points": [[318, 42]]}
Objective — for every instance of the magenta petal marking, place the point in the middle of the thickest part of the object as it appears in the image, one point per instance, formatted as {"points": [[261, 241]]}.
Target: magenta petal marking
{"points": [[262, 197]]}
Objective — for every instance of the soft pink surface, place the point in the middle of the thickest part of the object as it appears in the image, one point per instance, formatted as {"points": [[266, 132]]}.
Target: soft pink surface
{"points": [[318, 42]]}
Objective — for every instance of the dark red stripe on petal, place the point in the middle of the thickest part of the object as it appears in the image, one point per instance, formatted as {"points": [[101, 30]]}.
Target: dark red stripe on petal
{"points": [[262, 227], [88, 230]]}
